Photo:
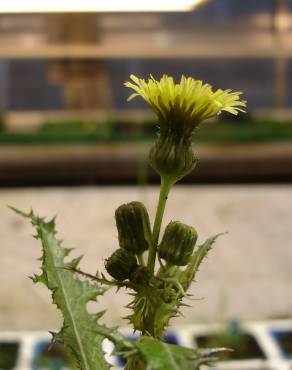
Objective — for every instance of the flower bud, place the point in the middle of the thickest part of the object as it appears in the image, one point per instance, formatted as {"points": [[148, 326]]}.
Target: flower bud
{"points": [[178, 243], [133, 226], [121, 264], [172, 157]]}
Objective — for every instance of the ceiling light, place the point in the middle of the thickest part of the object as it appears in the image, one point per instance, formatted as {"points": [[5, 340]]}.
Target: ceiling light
{"points": [[58, 6]]}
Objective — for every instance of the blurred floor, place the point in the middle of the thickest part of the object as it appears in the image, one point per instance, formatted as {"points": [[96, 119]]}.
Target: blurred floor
{"points": [[248, 274]]}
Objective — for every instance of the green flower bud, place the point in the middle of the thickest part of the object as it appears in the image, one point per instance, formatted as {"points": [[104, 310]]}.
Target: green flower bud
{"points": [[121, 264], [133, 226], [172, 157], [178, 243]]}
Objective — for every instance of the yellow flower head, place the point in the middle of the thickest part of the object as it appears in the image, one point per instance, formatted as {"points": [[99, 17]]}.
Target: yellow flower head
{"points": [[186, 103], [180, 108]]}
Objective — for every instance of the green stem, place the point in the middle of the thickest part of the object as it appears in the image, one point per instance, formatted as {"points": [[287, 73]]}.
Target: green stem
{"points": [[165, 187]]}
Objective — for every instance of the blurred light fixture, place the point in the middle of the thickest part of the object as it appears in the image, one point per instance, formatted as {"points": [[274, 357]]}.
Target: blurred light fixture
{"points": [[68, 6]]}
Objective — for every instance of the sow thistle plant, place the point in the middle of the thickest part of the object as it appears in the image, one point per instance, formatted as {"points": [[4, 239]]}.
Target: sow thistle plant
{"points": [[156, 272]]}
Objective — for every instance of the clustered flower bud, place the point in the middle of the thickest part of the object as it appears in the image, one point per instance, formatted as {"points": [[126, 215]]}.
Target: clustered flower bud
{"points": [[121, 264], [177, 243], [133, 226]]}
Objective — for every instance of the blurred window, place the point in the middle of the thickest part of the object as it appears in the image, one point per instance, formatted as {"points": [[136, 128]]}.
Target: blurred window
{"points": [[26, 87], [29, 87], [230, 8], [284, 340], [289, 83], [169, 338], [8, 355], [244, 346], [235, 25], [254, 77], [49, 357]]}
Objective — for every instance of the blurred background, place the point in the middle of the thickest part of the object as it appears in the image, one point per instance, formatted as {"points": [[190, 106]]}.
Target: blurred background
{"points": [[71, 145]]}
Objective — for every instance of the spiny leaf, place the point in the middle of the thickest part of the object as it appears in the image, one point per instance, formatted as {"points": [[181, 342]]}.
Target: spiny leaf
{"points": [[200, 253], [71, 296], [152, 354], [157, 355], [203, 250], [38, 278]]}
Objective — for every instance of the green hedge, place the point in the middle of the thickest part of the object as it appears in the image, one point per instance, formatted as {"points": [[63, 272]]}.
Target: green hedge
{"points": [[125, 131]]}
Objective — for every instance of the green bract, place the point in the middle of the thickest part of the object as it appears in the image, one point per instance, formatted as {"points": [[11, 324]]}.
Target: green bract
{"points": [[172, 157], [178, 243]]}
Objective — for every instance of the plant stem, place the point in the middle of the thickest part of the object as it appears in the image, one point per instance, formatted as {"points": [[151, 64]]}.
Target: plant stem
{"points": [[165, 187]]}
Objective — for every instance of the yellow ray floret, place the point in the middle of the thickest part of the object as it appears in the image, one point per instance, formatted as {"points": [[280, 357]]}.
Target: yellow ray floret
{"points": [[190, 99]]}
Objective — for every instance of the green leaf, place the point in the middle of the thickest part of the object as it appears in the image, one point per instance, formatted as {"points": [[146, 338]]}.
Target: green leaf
{"points": [[200, 253], [149, 353], [156, 355], [71, 296]]}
